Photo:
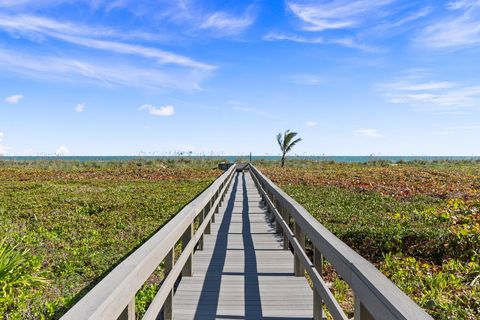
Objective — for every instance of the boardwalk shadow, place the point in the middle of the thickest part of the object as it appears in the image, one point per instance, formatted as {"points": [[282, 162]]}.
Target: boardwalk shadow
{"points": [[211, 305], [208, 302], [253, 303]]}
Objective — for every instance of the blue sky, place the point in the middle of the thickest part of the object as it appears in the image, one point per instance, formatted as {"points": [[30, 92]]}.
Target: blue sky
{"points": [[128, 77]]}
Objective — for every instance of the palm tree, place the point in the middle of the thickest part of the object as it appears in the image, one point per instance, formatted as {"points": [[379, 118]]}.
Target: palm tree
{"points": [[286, 143]]}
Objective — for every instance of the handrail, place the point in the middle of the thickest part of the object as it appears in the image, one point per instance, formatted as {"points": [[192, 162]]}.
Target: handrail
{"points": [[376, 297], [114, 296]]}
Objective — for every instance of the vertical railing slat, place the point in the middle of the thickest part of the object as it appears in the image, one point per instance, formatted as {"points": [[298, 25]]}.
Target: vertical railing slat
{"points": [[168, 305], [278, 226], [129, 312], [317, 300], [298, 267], [209, 224], [360, 312], [210, 206], [187, 236], [201, 217], [286, 218]]}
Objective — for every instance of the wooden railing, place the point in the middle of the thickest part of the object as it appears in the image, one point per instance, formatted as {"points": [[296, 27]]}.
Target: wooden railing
{"points": [[376, 297], [114, 296]]}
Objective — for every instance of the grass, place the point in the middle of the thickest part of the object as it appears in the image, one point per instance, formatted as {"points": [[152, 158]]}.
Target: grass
{"points": [[418, 222], [68, 223]]}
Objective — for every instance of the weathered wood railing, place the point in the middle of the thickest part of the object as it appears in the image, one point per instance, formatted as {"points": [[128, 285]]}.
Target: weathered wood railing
{"points": [[376, 297], [114, 296]]}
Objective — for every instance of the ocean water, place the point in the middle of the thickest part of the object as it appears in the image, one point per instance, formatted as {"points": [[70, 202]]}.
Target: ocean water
{"points": [[347, 159]]}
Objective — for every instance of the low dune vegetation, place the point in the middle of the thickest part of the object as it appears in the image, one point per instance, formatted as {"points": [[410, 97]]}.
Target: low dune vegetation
{"points": [[65, 224], [418, 222]]}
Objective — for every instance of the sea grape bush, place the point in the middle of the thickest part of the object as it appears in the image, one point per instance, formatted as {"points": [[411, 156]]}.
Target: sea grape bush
{"points": [[418, 222], [449, 291], [401, 181]]}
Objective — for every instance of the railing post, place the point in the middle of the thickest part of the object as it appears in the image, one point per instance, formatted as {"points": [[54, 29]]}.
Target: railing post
{"points": [[168, 305], [361, 313], [263, 201], [186, 237], [201, 217], [278, 227], [298, 267], [209, 224], [317, 300], [226, 186], [271, 214], [286, 217], [214, 211], [129, 312]]}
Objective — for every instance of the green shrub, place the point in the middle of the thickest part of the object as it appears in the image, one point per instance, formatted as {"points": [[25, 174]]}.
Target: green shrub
{"points": [[18, 277], [448, 291]]}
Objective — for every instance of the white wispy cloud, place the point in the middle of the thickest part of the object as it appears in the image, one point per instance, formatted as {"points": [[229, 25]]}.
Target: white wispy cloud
{"points": [[426, 95], [115, 4], [311, 124], [1, 136], [348, 42], [465, 127], [86, 36], [449, 130], [275, 36], [369, 133], [62, 151], [49, 3], [104, 72], [228, 24], [161, 56], [164, 111], [27, 3], [336, 14], [196, 18], [80, 107], [308, 79], [351, 42], [37, 28], [256, 111], [14, 99], [459, 29], [462, 4], [421, 13], [157, 68], [24, 24], [425, 86]]}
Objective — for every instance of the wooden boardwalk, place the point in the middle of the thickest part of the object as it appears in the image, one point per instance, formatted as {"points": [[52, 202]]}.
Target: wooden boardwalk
{"points": [[243, 272]]}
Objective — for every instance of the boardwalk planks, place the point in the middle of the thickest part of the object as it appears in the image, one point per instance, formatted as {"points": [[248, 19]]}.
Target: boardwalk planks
{"points": [[243, 271]]}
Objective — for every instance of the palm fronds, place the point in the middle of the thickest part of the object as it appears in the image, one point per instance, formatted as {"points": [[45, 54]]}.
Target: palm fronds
{"points": [[286, 142]]}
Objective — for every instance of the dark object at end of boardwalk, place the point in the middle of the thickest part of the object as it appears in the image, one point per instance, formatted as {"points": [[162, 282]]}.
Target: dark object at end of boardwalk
{"points": [[225, 165], [240, 167]]}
